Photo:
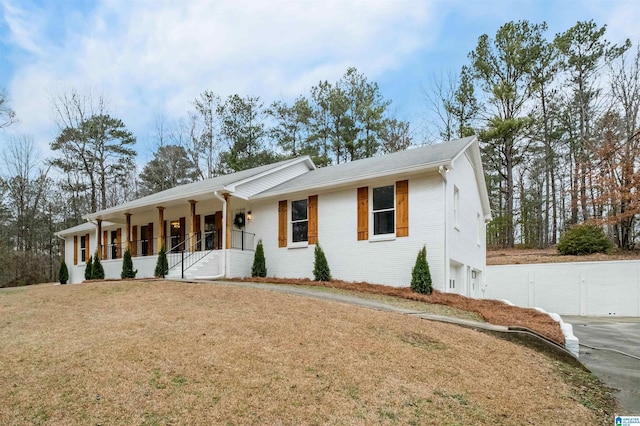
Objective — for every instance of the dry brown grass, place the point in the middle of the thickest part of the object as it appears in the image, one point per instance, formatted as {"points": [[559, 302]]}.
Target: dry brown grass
{"points": [[167, 353], [516, 256], [492, 311]]}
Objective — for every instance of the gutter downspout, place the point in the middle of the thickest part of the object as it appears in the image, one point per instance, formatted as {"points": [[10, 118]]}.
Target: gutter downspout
{"points": [[443, 170]]}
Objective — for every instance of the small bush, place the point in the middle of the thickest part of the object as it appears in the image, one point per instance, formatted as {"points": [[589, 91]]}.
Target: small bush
{"points": [[259, 268], [127, 266], [420, 275], [321, 271], [584, 239], [63, 274], [162, 265], [88, 271], [98, 270]]}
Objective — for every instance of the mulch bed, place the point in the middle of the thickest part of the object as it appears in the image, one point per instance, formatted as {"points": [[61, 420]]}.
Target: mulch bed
{"points": [[492, 311]]}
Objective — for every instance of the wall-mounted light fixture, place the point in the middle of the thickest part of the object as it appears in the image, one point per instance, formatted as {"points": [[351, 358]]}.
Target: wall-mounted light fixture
{"points": [[249, 215]]}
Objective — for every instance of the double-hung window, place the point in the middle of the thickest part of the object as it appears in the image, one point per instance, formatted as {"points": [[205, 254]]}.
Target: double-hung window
{"points": [[83, 248], [384, 210], [299, 221]]}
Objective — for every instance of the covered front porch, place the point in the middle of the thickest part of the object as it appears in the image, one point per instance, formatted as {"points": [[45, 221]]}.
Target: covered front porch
{"points": [[194, 233]]}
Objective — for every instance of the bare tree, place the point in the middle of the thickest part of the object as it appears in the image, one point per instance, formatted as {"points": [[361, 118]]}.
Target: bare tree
{"points": [[7, 116], [93, 142], [438, 98]]}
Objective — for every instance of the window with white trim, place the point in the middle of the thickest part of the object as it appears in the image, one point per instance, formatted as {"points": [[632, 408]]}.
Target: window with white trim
{"points": [[384, 210], [299, 221], [83, 248]]}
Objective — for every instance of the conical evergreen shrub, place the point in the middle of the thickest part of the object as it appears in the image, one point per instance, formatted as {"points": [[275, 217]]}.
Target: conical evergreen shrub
{"points": [[127, 266], [88, 271], [259, 268], [321, 271], [162, 265], [420, 276], [98, 270], [63, 274]]}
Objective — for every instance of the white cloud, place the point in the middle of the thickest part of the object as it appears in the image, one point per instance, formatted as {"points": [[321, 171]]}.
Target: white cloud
{"points": [[158, 56], [24, 26]]}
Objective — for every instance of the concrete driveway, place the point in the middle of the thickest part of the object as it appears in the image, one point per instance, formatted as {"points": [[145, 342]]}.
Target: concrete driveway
{"points": [[610, 348]]}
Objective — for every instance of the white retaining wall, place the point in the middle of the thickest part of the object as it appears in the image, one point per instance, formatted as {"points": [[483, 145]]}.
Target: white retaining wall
{"points": [[580, 288]]}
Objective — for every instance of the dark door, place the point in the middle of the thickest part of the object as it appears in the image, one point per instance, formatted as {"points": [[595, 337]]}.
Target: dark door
{"points": [[209, 232]]}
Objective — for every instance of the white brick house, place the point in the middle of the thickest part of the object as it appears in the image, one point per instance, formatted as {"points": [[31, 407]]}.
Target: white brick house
{"points": [[371, 217]]}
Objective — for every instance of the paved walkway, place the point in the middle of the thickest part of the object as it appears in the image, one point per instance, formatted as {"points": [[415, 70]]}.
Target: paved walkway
{"points": [[610, 347]]}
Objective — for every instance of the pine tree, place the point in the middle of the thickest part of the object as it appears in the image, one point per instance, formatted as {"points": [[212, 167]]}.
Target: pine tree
{"points": [[63, 274], [98, 270], [127, 266], [420, 276], [88, 271], [162, 266], [259, 268], [321, 271]]}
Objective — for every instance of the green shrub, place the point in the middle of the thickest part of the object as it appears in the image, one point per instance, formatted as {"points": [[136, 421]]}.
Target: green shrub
{"points": [[259, 268], [88, 271], [321, 271], [162, 265], [127, 266], [420, 276], [63, 274], [584, 239], [98, 270]]}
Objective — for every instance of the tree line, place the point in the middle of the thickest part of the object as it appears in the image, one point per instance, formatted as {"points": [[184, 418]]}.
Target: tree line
{"points": [[93, 165], [557, 116]]}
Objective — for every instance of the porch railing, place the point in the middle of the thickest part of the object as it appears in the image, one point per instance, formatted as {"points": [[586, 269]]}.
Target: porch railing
{"points": [[187, 253], [193, 249], [242, 240], [139, 248]]}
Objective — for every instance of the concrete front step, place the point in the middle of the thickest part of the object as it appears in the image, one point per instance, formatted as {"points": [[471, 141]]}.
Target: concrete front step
{"points": [[207, 266]]}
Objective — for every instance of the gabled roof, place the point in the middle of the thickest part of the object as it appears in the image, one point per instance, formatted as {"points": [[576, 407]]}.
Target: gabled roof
{"points": [[198, 190], [417, 159]]}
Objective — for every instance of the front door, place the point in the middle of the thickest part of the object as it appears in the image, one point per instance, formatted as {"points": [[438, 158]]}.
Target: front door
{"points": [[114, 244], [144, 239], [209, 232], [177, 234]]}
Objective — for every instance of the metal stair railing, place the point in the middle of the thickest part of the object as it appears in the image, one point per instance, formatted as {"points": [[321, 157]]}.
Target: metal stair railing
{"points": [[185, 259]]}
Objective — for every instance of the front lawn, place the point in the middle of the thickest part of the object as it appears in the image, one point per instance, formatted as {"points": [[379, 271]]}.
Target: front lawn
{"points": [[158, 352]]}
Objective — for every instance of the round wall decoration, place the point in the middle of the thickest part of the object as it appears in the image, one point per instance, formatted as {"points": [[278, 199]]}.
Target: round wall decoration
{"points": [[239, 220]]}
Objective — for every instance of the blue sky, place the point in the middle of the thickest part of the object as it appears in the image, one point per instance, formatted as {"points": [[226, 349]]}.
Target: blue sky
{"points": [[154, 57]]}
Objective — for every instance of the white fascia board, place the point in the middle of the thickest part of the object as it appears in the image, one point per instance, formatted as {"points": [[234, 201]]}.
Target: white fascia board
{"points": [[346, 181], [463, 150], [306, 159], [476, 162], [231, 191]]}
